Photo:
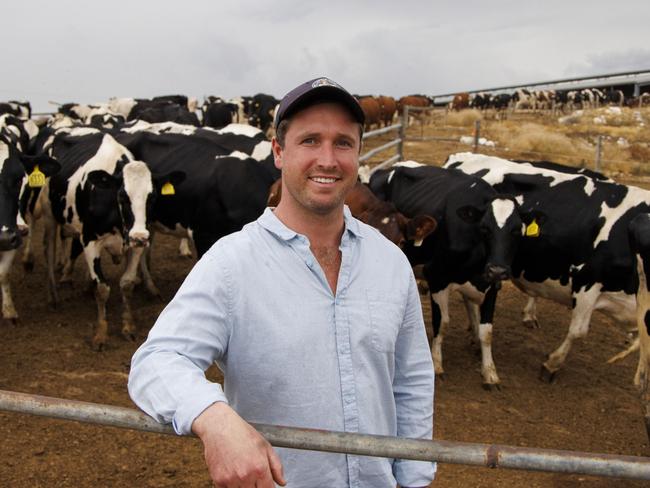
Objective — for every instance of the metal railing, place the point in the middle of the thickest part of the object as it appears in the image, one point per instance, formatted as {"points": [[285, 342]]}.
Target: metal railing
{"points": [[398, 143], [487, 455]]}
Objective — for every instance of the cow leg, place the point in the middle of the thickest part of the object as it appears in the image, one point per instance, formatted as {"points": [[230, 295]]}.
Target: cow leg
{"points": [[642, 377], [530, 314], [73, 251], [49, 243], [127, 283], [149, 284], [643, 370], [28, 250], [473, 317], [184, 249], [488, 368], [8, 308], [92, 253], [439, 322], [585, 302]]}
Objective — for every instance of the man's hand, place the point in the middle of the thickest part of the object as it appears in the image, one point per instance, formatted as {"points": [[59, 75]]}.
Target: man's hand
{"points": [[236, 454]]}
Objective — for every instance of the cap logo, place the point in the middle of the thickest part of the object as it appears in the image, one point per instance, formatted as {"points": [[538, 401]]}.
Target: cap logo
{"points": [[324, 82]]}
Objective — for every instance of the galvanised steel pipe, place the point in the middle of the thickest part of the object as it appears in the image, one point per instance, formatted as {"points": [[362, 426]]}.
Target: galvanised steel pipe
{"points": [[489, 455]]}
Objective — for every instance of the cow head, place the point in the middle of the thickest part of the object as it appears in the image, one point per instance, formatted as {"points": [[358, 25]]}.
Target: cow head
{"points": [[133, 187], [501, 228], [396, 227], [15, 170]]}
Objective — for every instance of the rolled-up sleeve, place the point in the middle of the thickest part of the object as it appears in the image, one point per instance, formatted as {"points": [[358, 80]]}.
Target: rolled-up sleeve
{"points": [[167, 378], [413, 388]]}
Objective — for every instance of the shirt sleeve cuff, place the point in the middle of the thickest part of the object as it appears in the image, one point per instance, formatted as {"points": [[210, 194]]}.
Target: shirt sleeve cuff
{"points": [[414, 473], [194, 406]]}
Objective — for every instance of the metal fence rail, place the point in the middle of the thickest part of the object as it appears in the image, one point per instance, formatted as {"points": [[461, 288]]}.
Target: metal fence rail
{"points": [[489, 455]]}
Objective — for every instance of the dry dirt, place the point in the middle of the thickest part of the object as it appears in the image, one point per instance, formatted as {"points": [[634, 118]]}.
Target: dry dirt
{"points": [[592, 407]]}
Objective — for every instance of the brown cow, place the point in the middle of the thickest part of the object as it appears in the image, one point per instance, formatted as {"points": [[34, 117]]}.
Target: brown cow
{"points": [[387, 109], [372, 111], [460, 101], [381, 215], [414, 101]]}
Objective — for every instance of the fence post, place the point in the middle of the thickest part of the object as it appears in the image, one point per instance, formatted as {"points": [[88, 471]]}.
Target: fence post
{"points": [[599, 149], [477, 133], [402, 132]]}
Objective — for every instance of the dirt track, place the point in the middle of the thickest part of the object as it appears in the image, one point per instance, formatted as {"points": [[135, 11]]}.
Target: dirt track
{"points": [[592, 407]]}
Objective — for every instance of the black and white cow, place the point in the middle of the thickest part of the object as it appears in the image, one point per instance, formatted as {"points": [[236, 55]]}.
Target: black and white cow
{"points": [[522, 99], [18, 172], [229, 173], [481, 101], [471, 251], [217, 113], [582, 256], [262, 110], [22, 135], [639, 234], [614, 97], [22, 110], [101, 196]]}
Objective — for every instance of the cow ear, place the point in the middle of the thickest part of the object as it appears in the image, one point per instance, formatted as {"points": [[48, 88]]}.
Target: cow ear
{"points": [[104, 180], [46, 164], [469, 214], [420, 227]]}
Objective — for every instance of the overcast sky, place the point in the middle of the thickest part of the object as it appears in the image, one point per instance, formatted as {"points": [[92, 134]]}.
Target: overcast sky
{"points": [[86, 51]]}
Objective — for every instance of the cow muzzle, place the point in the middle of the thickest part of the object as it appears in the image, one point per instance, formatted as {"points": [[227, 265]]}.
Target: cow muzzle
{"points": [[496, 273], [9, 239]]}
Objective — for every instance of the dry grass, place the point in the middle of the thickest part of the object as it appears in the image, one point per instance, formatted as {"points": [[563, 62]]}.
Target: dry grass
{"points": [[535, 140], [526, 135], [464, 118]]}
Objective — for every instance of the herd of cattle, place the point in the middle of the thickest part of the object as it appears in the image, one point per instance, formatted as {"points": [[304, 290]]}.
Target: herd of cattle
{"points": [[550, 100], [102, 183]]}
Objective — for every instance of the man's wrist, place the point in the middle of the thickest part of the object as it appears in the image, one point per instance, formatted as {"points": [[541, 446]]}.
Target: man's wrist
{"points": [[212, 416]]}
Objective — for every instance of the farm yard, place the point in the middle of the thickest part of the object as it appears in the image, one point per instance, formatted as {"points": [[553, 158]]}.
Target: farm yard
{"points": [[593, 406]]}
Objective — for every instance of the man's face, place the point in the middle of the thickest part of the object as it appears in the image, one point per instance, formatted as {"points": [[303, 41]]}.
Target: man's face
{"points": [[320, 158]]}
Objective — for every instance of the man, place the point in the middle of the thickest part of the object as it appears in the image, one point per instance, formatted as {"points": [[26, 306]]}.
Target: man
{"points": [[312, 316]]}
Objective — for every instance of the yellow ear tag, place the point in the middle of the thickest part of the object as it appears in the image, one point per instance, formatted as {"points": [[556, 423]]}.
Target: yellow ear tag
{"points": [[533, 229], [36, 178], [167, 189]]}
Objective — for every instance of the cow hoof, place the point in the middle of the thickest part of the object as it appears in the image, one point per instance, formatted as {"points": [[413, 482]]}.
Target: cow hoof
{"points": [[129, 335], [491, 386], [98, 344], [532, 324], [441, 376], [28, 266], [547, 376]]}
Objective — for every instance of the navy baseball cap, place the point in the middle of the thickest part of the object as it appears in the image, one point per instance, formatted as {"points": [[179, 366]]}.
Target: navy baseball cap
{"points": [[317, 90]]}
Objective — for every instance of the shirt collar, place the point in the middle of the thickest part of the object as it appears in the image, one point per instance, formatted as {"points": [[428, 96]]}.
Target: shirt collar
{"points": [[270, 222]]}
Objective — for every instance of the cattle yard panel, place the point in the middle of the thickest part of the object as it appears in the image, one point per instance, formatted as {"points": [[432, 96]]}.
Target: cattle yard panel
{"points": [[393, 143], [592, 149], [487, 455]]}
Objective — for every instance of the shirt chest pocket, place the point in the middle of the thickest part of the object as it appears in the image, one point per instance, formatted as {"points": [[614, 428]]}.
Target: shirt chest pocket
{"points": [[386, 314]]}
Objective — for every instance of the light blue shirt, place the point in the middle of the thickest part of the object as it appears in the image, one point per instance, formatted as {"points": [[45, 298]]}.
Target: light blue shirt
{"points": [[292, 353]]}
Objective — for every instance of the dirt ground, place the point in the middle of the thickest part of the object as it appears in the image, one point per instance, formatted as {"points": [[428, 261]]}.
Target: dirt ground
{"points": [[592, 407]]}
